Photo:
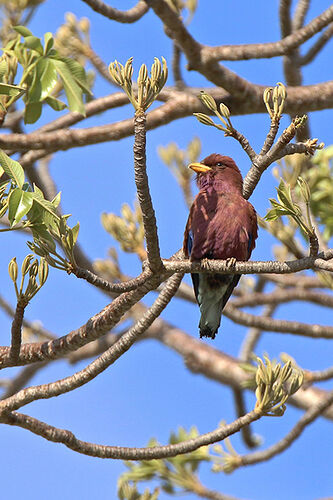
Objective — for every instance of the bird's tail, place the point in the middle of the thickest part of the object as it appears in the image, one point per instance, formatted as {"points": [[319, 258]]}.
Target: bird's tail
{"points": [[210, 318]]}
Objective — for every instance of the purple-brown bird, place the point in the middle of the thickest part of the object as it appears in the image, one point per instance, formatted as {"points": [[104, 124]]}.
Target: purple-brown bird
{"points": [[221, 225]]}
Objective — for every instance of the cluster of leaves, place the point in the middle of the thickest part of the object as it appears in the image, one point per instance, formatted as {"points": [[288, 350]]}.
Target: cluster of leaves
{"points": [[275, 384], [177, 160], [176, 474], [320, 180], [27, 208], [128, 229], [43, 68], [285, 205]]}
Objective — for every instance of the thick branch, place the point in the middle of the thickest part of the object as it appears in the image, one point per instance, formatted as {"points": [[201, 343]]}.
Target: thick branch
{"points": [[142, 187], [121, 16]]}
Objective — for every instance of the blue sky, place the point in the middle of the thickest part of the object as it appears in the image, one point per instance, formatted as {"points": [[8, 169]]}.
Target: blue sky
{"points": [[148, 392]]}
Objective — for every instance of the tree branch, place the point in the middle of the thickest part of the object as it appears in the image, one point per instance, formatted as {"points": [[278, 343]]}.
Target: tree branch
{"points": [[142, 187], [121, 16], [117, 452]]}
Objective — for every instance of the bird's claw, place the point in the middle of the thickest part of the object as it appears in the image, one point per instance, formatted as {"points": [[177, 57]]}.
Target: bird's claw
{"points": [[230, 262], [205, 264]]}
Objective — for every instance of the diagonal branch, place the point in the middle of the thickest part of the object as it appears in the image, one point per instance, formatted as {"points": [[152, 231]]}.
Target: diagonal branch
{"points": [[314, 412], [87, 374]]}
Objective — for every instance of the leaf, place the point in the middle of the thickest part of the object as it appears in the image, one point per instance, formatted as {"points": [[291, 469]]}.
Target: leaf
{"points": [[22, 30], [20, 202], [75, 232], [284, 195], [11, 90], [72, 89], [78, 73], [48, 213], [55, 104], [3, 68], [40, 231], [32, 112], [56, 200], [34, 43], [12, 168], [48, 43], [44, 80]]}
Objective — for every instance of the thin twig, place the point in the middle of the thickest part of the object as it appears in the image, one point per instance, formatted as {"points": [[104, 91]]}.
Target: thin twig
{"points": [[125, 453], [283, 444]]}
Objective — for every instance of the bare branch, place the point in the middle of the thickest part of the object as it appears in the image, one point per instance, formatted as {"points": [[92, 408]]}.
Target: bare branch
{"points": [[278, 325], [95, 327], [17, 331], [117, 452], [301, 10], [285, 18], [84, 376], [121, 16], [317, 46], [107, 286], [251, 267], [282, 296], [314, 412], [142, 187]]}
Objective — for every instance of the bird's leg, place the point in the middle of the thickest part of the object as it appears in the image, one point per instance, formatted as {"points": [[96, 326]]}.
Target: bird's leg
{"points": [[230, 262]]}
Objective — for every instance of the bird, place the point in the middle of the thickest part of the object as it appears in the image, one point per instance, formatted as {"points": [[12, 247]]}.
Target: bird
{"points": [[221, 225]]}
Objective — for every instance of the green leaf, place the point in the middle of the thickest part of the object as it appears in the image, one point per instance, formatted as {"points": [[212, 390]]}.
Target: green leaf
{"points": [[48, 213], [12, 168], [78, 73], [55, 104], [32, 112], [20, 202], [48, 43], [56, 200], [22, 30], [284, 195], [34, 43], [72, 89], [75, 232], [3, 68], [41, 232], [11, 90], [44, 80]]}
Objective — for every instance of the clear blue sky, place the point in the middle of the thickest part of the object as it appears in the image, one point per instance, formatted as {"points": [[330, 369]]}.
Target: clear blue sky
{"points": [[148, 392]]}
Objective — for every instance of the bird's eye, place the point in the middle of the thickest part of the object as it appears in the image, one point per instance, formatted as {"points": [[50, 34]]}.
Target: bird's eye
{"points": [[219, 164]]}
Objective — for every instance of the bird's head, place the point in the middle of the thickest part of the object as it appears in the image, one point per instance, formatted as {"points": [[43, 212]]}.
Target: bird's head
{"points": [[219, 172]]}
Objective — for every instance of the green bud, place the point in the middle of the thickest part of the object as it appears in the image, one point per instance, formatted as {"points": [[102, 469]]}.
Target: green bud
{"points": [[204, 119], [13, 269], [224, 110], [26, 264], [208, 101], [305, 189], [33, 271], [43, 271]]}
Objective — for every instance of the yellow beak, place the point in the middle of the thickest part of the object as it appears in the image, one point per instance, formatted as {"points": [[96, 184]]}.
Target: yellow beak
{"points": [[199, 167]]}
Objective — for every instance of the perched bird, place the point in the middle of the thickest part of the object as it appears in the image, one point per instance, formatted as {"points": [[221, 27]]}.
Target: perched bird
{"points": [[221, 225]]}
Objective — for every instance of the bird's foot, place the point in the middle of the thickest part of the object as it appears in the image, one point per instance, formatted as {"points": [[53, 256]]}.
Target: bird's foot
{"points": [[205, 263], [230, 262]]}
